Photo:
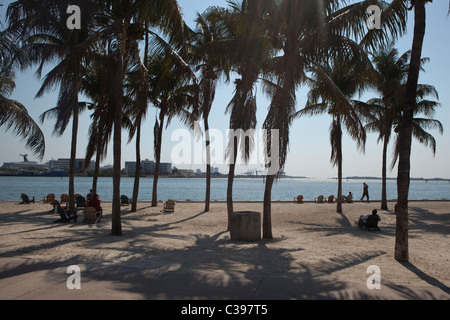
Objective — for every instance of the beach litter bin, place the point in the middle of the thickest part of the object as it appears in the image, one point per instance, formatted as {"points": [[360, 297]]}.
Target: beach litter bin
{"points": [[246, 226]]}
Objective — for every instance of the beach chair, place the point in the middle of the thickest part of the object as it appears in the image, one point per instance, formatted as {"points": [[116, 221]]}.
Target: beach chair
{"points": [[330, 199], [91, 215], [169, 206], [26, 199], [372, 223], [320, 199], [299, 199], [65, 217], [80, 201], [50, 198], [124, 200], [349, 199], [64, 198]]}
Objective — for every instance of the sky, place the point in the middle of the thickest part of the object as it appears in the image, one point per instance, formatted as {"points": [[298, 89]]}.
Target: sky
{"points": [[309, 150]]}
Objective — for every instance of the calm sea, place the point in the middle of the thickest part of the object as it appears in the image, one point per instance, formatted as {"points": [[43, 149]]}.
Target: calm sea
{"points": [[193, 189]]}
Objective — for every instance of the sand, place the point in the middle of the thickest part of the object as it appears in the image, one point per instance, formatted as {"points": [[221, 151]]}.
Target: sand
{"points": [[316, 253]]}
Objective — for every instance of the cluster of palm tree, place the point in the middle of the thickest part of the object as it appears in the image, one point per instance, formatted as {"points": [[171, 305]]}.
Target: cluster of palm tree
{"points": [[130, 54]]}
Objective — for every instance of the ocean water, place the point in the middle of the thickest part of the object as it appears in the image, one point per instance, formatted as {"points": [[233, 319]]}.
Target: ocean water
{"points": [[244, 189]]}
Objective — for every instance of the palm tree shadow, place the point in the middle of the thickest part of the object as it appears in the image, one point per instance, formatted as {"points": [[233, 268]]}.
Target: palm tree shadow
{"points": [[425, 277], [344, 222]]}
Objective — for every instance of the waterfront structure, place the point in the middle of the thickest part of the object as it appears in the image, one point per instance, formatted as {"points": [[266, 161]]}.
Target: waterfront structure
{"points": [[148, 167]]}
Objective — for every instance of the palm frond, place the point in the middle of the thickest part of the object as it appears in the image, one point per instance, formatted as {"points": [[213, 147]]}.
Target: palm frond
{"points": [[14, 116]]}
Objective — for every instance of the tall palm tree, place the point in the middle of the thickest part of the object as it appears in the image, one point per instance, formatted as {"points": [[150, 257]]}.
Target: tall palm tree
{"points": [[312, 29], [96, 86], [390, 80], [391, 72], [120, 26], [422, 119], [40, 27], [157, 17], [173, 94], [401, 252], [210, 29], [333, 87], [242, 52]]}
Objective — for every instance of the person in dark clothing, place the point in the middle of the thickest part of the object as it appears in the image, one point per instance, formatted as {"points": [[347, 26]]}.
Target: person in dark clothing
{"points": [[370, 221], [365, 192]]}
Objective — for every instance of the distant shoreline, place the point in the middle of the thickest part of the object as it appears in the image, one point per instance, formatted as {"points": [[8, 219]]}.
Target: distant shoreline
{"points": [[224, 176]]}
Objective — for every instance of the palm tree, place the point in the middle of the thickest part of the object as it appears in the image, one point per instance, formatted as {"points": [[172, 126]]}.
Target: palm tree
{"points": [[163, 16], [332, 89], [242, 52], [423, 107], [96, 86], [120, 26], [391, 71], [210, 29], [391, 74], [14, 116], [41, 28], [172, 94], [299, 29], [401, 252]]}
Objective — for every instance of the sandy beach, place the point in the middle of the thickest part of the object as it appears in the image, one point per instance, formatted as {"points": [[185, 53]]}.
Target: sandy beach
{"points": [[316, 253]]}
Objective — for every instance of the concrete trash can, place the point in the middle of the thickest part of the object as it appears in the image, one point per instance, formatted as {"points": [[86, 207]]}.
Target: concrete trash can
{"points": [[246, 226]]}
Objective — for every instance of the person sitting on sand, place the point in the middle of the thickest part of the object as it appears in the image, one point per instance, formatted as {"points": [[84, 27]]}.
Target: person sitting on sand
{"points": [[58, 210], [57, 207], [349, 198], [95, 203], [372, 218]]}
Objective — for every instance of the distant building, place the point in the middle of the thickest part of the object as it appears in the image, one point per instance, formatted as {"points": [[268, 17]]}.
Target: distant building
{"points": [[148, 167], [165, 167], [64, 164]]}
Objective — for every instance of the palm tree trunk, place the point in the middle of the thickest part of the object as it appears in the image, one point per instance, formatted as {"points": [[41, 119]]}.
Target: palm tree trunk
{"points": [[404, 165], [208, 164], [73, 154], [98, 155], [267, 213], [230, 184], [384, 175], [339, 163], [157, 159], [137, 173], [96, 170], [116, 214], [117, 139]]}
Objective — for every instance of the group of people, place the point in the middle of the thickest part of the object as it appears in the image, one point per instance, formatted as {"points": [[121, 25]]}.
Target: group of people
{"points": [[92, 200]]}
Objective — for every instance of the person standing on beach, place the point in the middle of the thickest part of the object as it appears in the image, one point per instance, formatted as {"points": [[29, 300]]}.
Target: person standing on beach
{"points": [[365, 192]]}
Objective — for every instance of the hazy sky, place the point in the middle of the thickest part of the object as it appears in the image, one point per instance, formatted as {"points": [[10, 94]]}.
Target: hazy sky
{"points": [[309, 153]]}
